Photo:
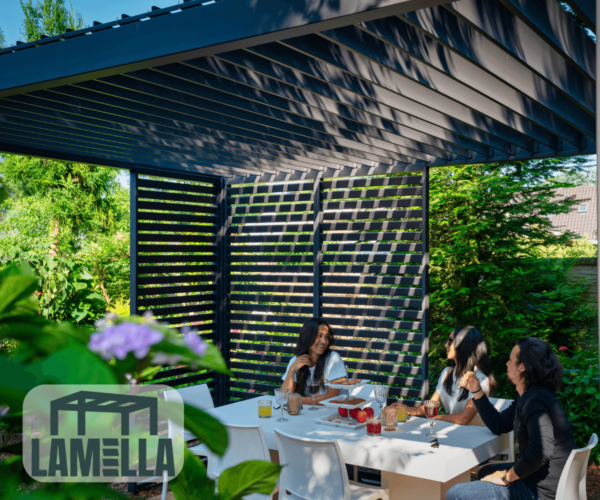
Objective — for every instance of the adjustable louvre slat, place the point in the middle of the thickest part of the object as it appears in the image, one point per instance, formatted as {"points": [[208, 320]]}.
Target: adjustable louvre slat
{"points": [[176, 263], [259, 209]]}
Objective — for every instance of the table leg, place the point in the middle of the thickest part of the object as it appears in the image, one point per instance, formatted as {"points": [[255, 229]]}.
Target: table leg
{"points": [[403, 487]]}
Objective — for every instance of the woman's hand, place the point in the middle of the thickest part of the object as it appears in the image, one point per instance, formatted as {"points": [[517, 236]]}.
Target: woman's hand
{"points": [[470, 382], [303, 360], [495, 478]]}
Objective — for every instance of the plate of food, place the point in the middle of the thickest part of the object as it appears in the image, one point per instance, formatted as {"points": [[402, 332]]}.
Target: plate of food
{"points": [[341, 421], [346, 383], [352, 402]]}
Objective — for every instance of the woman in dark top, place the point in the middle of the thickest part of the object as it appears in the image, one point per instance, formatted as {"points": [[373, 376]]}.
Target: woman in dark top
{"points": [[541, 429]]}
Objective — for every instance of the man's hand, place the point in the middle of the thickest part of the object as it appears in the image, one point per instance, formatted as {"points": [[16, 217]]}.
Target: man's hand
{"points": [[495, 478], [470, 382]]}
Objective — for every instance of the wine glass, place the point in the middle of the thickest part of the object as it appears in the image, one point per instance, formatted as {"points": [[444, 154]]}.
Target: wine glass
{"points": [[431, 410], [313, 385], [281, 395], [381, 393]]}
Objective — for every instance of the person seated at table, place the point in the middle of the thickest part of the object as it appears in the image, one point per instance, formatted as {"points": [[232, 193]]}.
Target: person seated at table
{"points": [[313, 358], [467, 352], [540, 425]]}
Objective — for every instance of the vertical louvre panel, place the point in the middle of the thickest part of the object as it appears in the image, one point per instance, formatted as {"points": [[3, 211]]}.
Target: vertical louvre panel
{"points": [[270, 281], [371, 277], [176, 261], [349, 249]]}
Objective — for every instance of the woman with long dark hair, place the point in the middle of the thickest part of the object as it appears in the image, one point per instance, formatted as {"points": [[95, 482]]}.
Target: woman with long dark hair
{"points": [[313, 358], [467, 352]]}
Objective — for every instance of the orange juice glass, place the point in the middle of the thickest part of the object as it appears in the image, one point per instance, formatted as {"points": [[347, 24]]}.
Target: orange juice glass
{"points": [[264, 409]]}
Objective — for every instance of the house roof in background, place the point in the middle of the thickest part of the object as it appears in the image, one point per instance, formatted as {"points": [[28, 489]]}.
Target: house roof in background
{"points": [[581, 223], [306, 88]]}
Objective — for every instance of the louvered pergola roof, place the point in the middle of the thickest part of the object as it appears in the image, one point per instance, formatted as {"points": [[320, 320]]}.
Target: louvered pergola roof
{"points": [[307, 88]]}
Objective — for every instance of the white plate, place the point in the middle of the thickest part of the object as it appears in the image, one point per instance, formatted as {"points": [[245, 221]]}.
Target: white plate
{"points": [[352, 425], [327, 402], [348, 387]]}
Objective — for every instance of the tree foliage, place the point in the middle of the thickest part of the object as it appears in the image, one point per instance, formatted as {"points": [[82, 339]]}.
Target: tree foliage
{"points": [[71, 223], [487, 226], [48, 17], [2, 39]]}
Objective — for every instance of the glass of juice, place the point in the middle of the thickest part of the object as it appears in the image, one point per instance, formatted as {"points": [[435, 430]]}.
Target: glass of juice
{"points": [[402, 413], [390, 418], [374, 426], [264, 409]]}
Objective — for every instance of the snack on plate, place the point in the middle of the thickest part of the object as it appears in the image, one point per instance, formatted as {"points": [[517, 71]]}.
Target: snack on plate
{"points": [[351, 401], [351, 382], [337, 380]]}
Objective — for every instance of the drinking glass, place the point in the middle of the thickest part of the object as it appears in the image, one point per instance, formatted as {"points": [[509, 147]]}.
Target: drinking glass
{"points": [[390, 418], [264, 409], [381, 392], [281, 395], [374, 426], [431, 410], [313, 386], [402, 413]]}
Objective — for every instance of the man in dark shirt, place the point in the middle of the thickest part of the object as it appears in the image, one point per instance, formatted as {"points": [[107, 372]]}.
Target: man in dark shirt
{"points": [[541, 429]]}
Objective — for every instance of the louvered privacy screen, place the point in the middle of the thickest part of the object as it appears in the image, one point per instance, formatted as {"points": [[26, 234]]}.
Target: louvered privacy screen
{"points": [[174, 259], [349, 249]]}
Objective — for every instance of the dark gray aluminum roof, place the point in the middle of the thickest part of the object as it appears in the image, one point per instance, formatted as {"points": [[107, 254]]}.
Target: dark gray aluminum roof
{"points": [[298, 89]]}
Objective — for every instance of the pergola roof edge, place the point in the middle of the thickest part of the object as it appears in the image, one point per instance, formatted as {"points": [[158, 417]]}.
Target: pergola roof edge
{"points": [[141, 45]]}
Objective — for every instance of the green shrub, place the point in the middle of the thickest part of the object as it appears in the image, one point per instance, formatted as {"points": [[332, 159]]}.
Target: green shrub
{"points": [[579, 396]]}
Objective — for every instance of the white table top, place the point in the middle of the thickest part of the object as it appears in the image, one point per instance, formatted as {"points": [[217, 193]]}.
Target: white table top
{"points": [[461, 446]]}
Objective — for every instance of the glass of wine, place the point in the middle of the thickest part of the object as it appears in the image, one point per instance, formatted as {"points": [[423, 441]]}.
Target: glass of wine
{"points": [[381, 393], [431, 410], [281, 395], [313, 385]]}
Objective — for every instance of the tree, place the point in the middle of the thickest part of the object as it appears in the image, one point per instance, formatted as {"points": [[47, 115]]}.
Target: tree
{"points": [[48, 17], [71, 222], [487, 226], [2, 40]]}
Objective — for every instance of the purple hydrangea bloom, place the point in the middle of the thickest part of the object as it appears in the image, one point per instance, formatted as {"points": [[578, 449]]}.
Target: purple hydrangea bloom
{"points": [[194, 341], [119, 340]]}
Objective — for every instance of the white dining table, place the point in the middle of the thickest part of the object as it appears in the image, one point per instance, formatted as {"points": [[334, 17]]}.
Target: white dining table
{"points": [[410, 467]]}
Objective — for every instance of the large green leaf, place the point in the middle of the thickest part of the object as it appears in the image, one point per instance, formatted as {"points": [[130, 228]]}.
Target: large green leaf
{"points": [[16, 285], [192, 482], [254, 476], [206, 428]]}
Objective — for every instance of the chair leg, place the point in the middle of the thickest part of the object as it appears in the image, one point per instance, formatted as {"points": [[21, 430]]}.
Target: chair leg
{"points": [[163, 496], [355, 473]]}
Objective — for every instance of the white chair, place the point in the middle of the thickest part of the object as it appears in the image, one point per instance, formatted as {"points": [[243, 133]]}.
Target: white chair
{"points": [[314, 470], [199, 397], [246, 442], [500, 405], [572, 480]]}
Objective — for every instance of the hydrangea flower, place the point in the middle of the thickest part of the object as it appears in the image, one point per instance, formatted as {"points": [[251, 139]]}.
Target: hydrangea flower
{"points": [[119, 340], [194, 341]]}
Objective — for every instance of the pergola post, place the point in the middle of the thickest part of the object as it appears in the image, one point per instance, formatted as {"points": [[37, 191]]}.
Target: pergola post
{"points": [[425, 293], [221, 289], [133, 246]]}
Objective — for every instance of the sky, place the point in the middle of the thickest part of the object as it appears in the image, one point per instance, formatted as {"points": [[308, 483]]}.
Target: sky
{"points": [[102, 11]]}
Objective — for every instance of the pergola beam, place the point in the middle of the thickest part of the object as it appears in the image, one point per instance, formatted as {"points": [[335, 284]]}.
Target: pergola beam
{"points": [[142, 44]]}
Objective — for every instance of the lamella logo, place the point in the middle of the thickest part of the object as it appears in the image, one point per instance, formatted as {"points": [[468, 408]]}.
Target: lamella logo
{"points": [[100, 433]]}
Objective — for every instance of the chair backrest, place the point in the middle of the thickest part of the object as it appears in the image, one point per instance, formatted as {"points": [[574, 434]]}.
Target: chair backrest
{"points": [[314, 469], [195, 395], [571, 485]]}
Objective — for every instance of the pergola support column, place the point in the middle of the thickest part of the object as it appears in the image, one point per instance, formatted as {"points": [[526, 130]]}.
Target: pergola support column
{"points": [[221, 286], [425, 276], [133, 239]]}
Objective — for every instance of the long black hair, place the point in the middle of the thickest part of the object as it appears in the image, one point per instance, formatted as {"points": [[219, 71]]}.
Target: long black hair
{"points": [[471, 352], [542, 367], [307, 337]]}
